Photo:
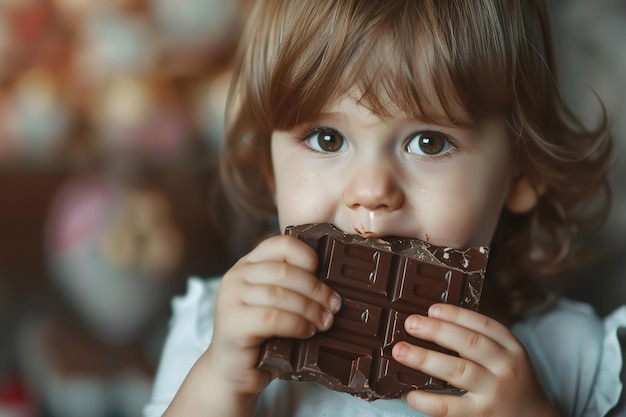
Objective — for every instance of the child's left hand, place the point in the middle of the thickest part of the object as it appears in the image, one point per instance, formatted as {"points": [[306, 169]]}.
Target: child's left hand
{"points": [[493, 367]]}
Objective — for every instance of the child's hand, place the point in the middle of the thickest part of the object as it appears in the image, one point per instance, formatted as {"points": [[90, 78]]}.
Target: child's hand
{"points": [[272, 291], [493, 366]]}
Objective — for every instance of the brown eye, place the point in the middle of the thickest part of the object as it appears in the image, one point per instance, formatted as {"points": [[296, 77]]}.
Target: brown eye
{"points": [[429, 144], [327, 141]]}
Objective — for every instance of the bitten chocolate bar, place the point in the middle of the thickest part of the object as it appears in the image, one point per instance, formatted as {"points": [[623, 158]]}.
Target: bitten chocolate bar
{"points": [[381, 281]]}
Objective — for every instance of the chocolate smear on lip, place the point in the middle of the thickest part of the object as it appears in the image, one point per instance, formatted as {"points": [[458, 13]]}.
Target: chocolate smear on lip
{"points": [[363, 232], [381, 281]]}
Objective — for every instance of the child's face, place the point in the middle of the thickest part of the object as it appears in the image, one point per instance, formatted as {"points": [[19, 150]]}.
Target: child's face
{"points": [[395, 176]]}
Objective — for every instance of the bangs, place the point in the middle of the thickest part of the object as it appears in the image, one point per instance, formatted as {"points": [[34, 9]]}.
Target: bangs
{"points": [[431, 60], [448, 62]]}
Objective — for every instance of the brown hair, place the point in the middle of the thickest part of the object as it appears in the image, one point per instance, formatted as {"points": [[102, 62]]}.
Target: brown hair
{"points": [[440, 60]]}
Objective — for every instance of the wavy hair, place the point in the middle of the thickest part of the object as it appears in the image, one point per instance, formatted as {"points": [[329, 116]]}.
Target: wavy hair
{"points": [[437, 60]]}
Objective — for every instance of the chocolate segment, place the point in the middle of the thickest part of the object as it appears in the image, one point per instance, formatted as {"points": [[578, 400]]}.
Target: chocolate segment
{"points": [[381, 282]]}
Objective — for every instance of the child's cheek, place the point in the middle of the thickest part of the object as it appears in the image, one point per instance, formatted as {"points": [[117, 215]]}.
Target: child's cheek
{"points": [[302, 199], [450, 211]]}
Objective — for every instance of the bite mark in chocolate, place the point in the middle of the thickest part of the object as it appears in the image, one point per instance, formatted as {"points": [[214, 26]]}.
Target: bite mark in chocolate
{"points": [[381, 281]]}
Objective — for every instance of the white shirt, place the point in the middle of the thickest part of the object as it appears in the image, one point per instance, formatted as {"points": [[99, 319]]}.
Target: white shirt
{"points": [[576, 354]]}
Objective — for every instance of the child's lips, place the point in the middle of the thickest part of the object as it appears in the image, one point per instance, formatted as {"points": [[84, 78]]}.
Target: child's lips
{"points": [[362, 231]]}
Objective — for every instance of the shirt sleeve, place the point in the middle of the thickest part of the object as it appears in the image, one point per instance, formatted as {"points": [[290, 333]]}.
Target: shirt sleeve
{"points": [[613, 374], [191, 330], [577, 357]]}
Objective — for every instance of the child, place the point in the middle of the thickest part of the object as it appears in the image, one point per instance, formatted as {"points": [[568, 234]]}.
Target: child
{"points": [[433, 119]]}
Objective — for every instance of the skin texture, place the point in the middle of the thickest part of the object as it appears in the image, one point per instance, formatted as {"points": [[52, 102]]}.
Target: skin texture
{"points": [[375, 187], [373, 177]]}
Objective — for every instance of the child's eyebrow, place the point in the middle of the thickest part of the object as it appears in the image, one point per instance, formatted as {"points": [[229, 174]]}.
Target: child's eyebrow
{"points": [[330, 114], [341, 109], [443, 122]]}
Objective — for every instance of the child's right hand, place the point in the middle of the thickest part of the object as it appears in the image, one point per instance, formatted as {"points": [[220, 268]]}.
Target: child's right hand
{"points": [[272, 291]]}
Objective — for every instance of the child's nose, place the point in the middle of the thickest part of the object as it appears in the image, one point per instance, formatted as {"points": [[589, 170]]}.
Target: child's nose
{"points": [[374, 189]]}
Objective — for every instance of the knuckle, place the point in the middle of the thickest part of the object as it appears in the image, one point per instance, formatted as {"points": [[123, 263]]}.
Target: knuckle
{"points": [[473, 341], [459, 370], [271, 317], [276, 295], [484, 322], [286, 324], [441, 408]]}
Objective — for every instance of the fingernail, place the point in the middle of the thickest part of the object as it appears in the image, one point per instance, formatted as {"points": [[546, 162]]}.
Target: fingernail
{"points": [[435, 311], [399, 350], [414, 322], [335, 302]]}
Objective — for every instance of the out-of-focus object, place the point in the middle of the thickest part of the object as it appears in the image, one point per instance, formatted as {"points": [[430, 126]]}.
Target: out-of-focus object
{"points": [[86, 80], [7, 47], [111, 44], [209, 105], [139, 118], [142, 236], [8, 144], [15, 399], [32, 38], [112, 251], [73, 12], [75, 375], [195, 33], [37, 118]]}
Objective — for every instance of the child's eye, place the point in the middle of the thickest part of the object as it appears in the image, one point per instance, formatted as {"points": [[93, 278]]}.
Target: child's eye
{"points": [[326, 140], [429, 143]]}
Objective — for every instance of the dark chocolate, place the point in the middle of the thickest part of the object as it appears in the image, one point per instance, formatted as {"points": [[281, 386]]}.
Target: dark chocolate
{"points": [[381, 281]]}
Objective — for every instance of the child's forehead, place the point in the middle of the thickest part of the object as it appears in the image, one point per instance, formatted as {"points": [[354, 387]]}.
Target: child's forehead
{"points": [[356, 104]]}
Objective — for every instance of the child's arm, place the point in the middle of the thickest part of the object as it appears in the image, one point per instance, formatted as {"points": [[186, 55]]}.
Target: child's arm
{"points": [[272, 291], [493, 367]]}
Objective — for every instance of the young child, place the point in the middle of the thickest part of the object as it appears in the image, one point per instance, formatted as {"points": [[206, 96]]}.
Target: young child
{"points": [[432, 119]]}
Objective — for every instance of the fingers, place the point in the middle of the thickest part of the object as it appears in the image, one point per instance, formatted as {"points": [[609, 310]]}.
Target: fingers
{"points": [[264, 323], [437, 405], [290, 263], [492, 364], [485, 347], [287, 249], [273, 291], [292, 278], [286, 300], [474, 321], [460, 372], [470, 344]]}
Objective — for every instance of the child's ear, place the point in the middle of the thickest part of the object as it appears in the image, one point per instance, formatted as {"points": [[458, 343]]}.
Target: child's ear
{"points": [[524, 194]]}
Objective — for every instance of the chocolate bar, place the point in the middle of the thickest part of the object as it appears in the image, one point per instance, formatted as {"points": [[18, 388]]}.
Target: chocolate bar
{"points": [[381, 281]]}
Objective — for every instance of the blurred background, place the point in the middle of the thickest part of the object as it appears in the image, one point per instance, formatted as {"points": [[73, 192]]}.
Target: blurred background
{"points": [[110, 125]]}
